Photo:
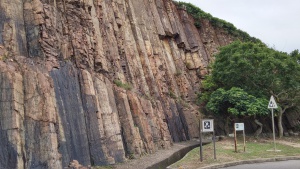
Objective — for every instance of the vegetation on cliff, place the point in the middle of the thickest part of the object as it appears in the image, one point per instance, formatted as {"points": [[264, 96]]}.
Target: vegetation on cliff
{"points": [[257, 70], [125, 86], [199, 14]]}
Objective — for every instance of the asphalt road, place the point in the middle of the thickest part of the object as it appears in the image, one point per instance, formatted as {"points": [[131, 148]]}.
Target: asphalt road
{"points": [[291, 164]]}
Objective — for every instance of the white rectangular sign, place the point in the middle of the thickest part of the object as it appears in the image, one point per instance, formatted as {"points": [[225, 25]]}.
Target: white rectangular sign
{"points": [[207, 125], [239, 126]]}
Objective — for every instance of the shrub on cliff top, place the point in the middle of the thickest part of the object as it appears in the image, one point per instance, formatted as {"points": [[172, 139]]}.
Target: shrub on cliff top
{"points": [[198, 14]]}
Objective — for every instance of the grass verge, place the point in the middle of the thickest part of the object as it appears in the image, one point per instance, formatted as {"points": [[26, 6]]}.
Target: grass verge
{"points": [[255, 149]]}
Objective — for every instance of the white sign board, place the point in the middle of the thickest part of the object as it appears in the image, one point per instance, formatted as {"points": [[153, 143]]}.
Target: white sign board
{"points": [[239, 126], [207, 125], [272, 103]]}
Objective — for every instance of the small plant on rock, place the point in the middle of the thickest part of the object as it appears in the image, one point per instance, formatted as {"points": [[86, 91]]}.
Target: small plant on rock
{"points": [[178, 72], [172, 94], [125, 86]]}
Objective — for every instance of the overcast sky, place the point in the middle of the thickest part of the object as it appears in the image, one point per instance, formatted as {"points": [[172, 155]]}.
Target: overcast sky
{"points": [[275, 22]]}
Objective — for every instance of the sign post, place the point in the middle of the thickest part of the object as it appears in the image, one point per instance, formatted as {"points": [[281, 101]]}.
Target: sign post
{"points": [[239, 127], [200, 137], [207, 125], [272, 105]]}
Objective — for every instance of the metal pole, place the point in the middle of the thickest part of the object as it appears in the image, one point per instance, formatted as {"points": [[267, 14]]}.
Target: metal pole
{"points": [[214, 140], [235, 140], [273, 130], [244, 140], [200, 137]]}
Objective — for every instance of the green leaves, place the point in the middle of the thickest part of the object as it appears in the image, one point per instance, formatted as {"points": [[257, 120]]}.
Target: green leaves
{"points": [[254, 67], [236, 102], [245, 74]]}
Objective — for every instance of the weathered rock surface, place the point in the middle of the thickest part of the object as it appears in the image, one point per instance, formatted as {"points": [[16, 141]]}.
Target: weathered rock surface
{"points": [[64, 65]]}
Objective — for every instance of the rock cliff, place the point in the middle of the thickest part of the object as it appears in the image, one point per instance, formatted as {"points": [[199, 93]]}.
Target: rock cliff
{"points": [[98, 81]]}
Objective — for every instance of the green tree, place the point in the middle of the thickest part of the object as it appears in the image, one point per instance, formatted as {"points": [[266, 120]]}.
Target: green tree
{"points": [[236, 103], [259, 71], [296, 55]]}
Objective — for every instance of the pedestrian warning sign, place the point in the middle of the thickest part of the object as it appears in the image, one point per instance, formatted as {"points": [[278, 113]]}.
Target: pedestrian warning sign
{"points": [[207, 125], [272, 103]]}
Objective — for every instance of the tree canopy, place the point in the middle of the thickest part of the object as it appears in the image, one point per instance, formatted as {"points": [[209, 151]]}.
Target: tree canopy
{"points": [[236, 102], [257, 70]]}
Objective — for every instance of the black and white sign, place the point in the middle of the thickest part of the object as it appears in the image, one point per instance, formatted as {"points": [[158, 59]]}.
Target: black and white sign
{"points": [[239, 126], [207, 125]]}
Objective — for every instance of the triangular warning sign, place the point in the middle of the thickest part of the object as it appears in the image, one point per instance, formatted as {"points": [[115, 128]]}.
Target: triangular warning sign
{"points": [[272, 103]]}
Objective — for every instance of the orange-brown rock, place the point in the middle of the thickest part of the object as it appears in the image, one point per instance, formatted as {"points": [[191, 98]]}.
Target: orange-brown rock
{"points": [[98, 81]]}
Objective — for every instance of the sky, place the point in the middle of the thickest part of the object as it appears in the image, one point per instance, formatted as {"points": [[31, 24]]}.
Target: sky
{"points": [[275, 22]]}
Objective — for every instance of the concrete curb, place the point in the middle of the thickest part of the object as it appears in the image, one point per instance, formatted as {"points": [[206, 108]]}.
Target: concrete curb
{"points": [[161, 158], [262, 160], [164, 163], [177, 155]]}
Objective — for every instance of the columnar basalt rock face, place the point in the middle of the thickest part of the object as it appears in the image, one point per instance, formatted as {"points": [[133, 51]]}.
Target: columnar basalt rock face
{"points": [[12, 116], [28, 117], [64, 65]]}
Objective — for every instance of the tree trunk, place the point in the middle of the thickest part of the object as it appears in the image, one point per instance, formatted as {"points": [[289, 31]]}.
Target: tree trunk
{"points": [[280, 128], [259, 130], [226, 127]]}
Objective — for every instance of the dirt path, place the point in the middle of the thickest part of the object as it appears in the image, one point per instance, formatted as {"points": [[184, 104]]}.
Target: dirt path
{"points": [[289, 141], [296, 145]]}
